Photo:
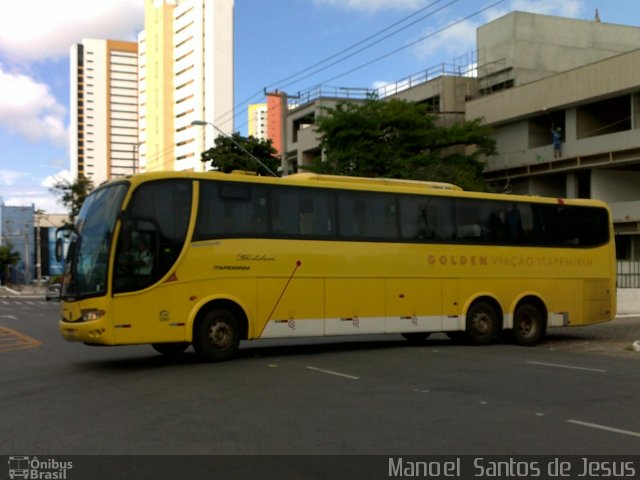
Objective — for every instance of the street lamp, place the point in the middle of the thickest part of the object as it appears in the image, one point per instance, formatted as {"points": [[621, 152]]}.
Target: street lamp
{"points": [[203, 123]]}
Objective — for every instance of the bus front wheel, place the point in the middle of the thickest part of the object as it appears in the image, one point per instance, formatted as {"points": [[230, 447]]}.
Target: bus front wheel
{"points": [[216, 337], [482, 323], [528, 325]]}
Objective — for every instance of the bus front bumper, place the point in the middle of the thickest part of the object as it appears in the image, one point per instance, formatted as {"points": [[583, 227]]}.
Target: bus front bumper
{"points": [[93, 328]]}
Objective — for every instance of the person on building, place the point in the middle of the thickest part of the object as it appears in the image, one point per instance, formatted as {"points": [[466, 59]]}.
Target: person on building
{"points": [[556, 135]]}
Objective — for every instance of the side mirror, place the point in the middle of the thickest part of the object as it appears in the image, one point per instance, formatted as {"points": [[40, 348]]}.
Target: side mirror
{"points": [[59, 249], [62, 240]]}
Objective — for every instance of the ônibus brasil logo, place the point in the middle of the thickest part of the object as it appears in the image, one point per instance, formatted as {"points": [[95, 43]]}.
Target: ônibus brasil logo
{"points": [[38, 469]]}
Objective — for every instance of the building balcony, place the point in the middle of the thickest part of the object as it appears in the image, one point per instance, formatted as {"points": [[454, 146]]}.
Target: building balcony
{"points": [[614, 150]]}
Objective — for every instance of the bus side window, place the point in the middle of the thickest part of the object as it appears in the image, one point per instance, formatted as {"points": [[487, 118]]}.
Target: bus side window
{"points": [[285, 212], [416, 218], [348, 220], [306, 223], [513, 224], [368, 215], [307, 215], [231, 209], [308, 212], [381, 217], [442, 218], [156, 220], [321, 203]]}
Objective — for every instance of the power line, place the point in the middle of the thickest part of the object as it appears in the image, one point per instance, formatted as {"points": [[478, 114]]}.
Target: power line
{"points": [[224, 116], [370, 37], [432, 34], [345, 50], [369, 45]]}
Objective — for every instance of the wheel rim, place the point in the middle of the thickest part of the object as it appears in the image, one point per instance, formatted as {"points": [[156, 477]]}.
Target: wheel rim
{"points": [[482, 323], [220, 334], [527, 324]]}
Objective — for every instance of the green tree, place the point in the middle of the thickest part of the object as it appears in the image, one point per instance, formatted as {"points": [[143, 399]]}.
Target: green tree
{"points": [[8, 257], [399, 139], [72, 194], [227, 156]]}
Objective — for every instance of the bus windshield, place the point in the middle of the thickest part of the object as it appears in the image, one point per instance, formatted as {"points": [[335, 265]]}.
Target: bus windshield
{"points": [[86, 269]]}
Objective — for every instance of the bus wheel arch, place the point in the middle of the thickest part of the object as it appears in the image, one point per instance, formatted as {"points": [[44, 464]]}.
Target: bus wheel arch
{"points": [[529, 321], [217, 330], [484, 319]]}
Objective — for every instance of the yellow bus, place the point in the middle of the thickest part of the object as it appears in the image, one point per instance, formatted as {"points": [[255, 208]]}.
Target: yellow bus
{"points": [[209, 259]]}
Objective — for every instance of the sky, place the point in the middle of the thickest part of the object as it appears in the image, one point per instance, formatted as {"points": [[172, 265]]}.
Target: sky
{"points": [[290, 45]]}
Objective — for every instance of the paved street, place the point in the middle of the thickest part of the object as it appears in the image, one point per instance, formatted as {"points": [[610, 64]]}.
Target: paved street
{"points": [[575, 394]]}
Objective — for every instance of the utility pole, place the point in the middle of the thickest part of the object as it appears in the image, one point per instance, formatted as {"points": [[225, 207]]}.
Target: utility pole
{"points": [[38, 252], [27, 265]]}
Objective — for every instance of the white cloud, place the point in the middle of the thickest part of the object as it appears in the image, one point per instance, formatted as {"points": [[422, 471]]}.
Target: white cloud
{"points": [[48, 202], [372, 5], [452, 41], [9, 178], [44, 29], [566, 8], [461, 37], [62, 175], [19, 190], [28, 108], [384, 89]]}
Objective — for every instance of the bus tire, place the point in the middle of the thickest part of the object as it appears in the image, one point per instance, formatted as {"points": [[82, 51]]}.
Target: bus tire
{"points": [[216, 337], [172, 349], [416, 338], [482, 323], [529, 325]]}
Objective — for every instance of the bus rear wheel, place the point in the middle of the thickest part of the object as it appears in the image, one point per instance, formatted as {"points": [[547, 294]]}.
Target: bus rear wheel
{"points": [[482, 323], [170, 349], [216, 337], [528, 325]]}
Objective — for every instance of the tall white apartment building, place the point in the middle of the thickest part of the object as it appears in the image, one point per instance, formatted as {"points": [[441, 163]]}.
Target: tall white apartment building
{"points": [[186, 74], [257, 116], [104, 109]]}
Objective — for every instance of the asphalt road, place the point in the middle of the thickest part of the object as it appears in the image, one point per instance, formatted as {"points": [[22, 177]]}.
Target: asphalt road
{"points": [[577, 393]]}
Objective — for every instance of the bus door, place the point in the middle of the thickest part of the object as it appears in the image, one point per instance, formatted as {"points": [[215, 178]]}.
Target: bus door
{"points": [[148, 299]]}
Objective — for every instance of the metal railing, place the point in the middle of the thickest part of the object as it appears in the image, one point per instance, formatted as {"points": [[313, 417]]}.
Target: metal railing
{"points": [[628, 273], [462, 66]]}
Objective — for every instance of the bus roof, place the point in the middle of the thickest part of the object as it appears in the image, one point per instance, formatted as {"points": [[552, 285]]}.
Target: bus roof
{"points": [[311, 177], [337, 181]]}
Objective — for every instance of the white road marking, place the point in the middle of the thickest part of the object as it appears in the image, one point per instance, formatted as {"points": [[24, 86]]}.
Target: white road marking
{"points": [[572, 367], [337, 374], [604, 427]]}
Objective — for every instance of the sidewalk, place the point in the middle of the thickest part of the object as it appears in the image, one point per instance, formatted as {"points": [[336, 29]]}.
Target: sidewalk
{"points": [[22, 291], [629, 301]]}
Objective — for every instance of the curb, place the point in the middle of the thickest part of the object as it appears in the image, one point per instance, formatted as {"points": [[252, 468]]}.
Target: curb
{"points": [[7, 289]]}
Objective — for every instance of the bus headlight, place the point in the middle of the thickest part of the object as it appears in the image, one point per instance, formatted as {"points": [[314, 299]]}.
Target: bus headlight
{"points": [[92, 315]]}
